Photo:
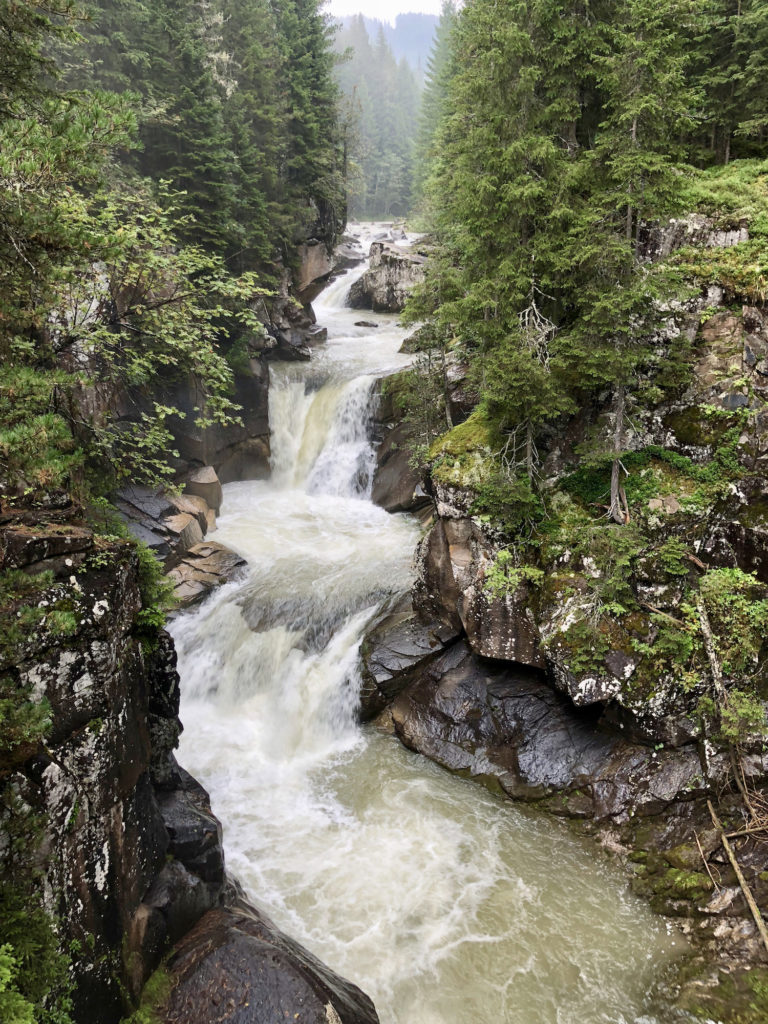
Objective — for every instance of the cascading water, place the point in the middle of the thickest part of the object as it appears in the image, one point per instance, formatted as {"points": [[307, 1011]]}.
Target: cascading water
{"points": [[445, 904]]}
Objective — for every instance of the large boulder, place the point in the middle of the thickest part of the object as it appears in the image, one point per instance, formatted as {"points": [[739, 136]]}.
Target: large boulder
{"points": [[506, 726], [236, 967], [392, 275], [393, 652]]}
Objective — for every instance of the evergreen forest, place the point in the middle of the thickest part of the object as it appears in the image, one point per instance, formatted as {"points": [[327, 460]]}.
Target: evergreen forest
{"points": [[588, 179]]}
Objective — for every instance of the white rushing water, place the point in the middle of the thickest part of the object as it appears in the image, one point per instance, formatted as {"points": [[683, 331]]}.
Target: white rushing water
{"points": [[444, 903]]}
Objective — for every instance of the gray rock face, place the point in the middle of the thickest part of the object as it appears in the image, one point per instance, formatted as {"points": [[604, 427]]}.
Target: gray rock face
{"points": [[397, 487], [392, 275], [104, 773], [394, 652], [508, 726], [236, 966]]}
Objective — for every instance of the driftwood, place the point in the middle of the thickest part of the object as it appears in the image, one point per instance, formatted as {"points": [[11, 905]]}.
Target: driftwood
{"points": [[758, 917]]}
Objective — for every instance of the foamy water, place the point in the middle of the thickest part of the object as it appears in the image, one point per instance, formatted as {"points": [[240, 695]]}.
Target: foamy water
{"points": [[444, 903]]}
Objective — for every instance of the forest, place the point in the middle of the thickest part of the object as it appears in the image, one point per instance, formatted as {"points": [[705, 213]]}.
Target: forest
{"points": [[572, 167]]}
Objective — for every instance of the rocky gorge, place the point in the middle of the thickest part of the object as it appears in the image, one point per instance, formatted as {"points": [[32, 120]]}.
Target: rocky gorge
{"points": [[484, 670], [478, 681]]}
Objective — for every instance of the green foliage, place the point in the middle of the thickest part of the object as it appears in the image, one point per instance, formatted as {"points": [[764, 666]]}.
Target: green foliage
{"points": [[672, 557], [742, 270], [15, 1009], [741, 716], [737, 605], [503, 576]]}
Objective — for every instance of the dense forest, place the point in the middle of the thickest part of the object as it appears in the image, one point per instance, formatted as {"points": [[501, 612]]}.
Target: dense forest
{"points": [[381, 110], [566, 149]]}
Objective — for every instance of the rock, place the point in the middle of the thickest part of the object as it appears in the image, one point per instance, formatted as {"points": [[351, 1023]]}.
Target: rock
{"points": [[205, 483], [315, 266], [365, 323], [185, 529], [393, 273], [194, 832], [508, 726], [194, 505], [394, 652], [501, 627], [235, 965], [44, 547], [397, 487], [204, 567]]}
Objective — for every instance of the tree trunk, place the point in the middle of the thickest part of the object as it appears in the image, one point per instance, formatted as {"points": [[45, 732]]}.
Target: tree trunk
{"points": [[619, 512], [446, 395], [529, 450]]}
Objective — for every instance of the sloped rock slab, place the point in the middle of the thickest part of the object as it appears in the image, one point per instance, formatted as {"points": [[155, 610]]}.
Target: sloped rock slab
{"points": [[509, 727], [204, 567], [397, 487], [393, 652], [236, 967]]}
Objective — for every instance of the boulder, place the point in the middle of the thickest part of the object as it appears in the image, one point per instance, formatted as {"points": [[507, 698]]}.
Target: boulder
{"points": [[506, 726], [205, 483], [394, 652], [185, 531], [204, 567], [315, 266], [236, 966], [501, 626], [392, 274], [397, 486]]}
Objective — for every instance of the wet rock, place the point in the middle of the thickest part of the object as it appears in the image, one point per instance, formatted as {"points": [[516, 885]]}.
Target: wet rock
{"points": [[397, 486], [501, 626], [194, 832], [204, 567], [236, 966], [507, 726], [394, 652], [184, 530], [449, 560], [205, 483], [393, 273], [44, 547], [365, 323]]}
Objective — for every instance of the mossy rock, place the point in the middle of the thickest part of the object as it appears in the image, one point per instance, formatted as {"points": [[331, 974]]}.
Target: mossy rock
{"points": [[693, 428], [737, 998], [464, 456]]}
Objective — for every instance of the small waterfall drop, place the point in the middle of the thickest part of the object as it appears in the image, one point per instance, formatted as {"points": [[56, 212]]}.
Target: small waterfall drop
{"points": [[445, 904]]}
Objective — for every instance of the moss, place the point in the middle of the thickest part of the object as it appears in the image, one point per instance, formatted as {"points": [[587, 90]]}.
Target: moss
{"points": [[691, 426], [685, 857], [741, 270], [465, 455], [740, 997], [732, 195], [682, 884], [153, 998]]}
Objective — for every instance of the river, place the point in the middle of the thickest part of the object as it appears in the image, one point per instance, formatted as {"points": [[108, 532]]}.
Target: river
{"points": [[444, 903]]}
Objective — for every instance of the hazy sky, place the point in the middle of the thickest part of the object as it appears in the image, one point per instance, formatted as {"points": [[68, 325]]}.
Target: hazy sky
{"points": [[385, 10]]}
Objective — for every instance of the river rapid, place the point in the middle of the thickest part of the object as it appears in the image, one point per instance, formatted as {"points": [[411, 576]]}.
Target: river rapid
{"points": [[444, 903]]}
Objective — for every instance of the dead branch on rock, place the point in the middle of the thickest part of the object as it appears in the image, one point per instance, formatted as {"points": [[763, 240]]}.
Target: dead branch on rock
{"points": [[755, 910]]}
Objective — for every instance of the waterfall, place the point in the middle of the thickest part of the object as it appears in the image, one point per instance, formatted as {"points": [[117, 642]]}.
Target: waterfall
{"points": [[445, 904]]}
